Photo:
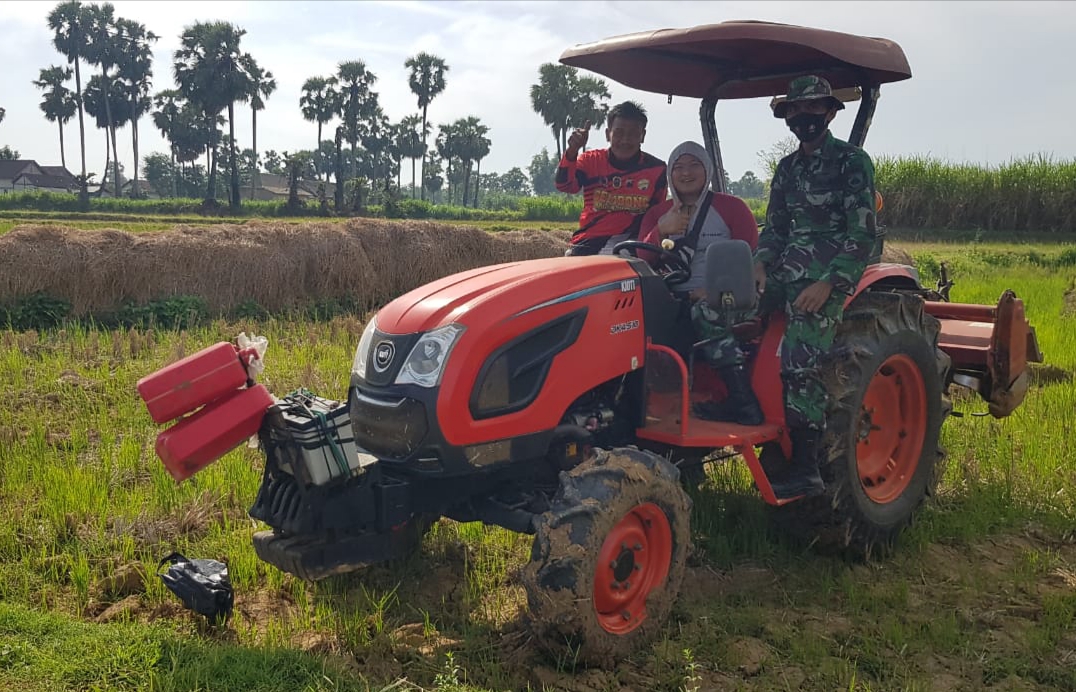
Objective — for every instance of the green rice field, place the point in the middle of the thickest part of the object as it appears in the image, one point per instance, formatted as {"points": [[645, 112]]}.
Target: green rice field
{"points": [[980, 595]]}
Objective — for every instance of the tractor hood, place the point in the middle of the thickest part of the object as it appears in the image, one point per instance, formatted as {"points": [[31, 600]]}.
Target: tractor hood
{"points": [[469, 354], [490, 295]]}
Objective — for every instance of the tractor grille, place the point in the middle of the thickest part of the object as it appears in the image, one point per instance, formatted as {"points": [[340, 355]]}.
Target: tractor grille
{"points": [[388, 429]]}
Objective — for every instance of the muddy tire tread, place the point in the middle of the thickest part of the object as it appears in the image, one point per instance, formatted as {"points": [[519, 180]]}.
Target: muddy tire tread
{"points": [[842, 519], [592, 497]]}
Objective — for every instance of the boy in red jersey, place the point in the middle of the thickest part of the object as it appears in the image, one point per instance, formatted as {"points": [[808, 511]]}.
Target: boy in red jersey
{"points": [[619, 184]]}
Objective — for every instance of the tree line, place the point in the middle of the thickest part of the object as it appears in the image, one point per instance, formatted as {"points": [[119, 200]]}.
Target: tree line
{"points": [[214, 76], [111, 61]]}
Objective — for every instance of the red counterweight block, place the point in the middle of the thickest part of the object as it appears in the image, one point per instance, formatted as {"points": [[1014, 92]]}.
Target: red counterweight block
{"points": [[198, 379], [200, 439]]}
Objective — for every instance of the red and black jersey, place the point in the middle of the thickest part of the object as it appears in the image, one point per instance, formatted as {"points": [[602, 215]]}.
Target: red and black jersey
{"points": [[615, 195]]}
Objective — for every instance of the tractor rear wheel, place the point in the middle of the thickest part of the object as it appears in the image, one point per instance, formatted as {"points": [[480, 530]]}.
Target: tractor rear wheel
{"points": [[881, 456], [609, 556]]}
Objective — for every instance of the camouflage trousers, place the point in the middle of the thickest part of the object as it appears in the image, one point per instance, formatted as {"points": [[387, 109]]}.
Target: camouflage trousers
{"points": [[807, 338], [709, 323]]}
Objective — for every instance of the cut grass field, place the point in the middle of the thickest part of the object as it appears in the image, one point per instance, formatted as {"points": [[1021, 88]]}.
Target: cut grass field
{"points": [[980, 595]]}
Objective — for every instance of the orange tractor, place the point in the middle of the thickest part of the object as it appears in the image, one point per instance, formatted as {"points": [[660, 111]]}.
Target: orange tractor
{"points": [[553, 397]]}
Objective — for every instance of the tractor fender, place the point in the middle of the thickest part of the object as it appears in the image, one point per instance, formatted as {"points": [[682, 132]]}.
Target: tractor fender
{"points": [[886, 274]]}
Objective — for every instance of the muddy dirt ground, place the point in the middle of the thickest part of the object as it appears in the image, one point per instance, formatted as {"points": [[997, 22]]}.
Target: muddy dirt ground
{"points": [[996, 613]]}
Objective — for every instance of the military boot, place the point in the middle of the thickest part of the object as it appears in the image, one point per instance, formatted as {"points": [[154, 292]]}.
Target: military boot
{"points": [[802, 476], [740, 406]]}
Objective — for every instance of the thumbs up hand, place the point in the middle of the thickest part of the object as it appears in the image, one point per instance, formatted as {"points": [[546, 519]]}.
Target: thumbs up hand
{"points": [[674, 221]]}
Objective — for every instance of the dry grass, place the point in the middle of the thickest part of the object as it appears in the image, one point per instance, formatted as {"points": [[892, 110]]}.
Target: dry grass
{"points": [[278, 265], [894, 254]]}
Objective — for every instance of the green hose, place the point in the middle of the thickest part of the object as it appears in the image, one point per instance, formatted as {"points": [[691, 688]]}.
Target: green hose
{"points": [[300, 397]]}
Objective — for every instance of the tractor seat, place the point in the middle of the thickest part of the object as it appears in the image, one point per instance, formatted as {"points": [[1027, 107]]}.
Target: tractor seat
{"points": [[730, 286]]}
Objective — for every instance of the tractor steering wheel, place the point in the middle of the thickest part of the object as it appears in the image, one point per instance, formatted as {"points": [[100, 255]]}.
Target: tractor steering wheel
{"points": [[675, 270]]}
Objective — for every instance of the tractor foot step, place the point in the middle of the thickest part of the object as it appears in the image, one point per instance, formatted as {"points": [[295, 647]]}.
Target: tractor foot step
{"points": [[317, 557]]}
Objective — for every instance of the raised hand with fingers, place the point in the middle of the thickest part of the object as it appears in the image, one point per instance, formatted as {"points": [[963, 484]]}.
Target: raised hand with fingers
{"points": [[577, 140]]}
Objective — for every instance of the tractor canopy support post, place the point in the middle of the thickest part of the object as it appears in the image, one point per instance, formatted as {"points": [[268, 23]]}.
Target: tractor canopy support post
{"points": [[707, 116], [708, 119], [867, 103]]}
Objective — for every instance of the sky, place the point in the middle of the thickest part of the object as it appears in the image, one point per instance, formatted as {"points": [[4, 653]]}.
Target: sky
{"points": [[989, 82]]}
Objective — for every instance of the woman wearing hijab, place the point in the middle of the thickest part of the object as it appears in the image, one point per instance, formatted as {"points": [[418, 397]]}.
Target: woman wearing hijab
{"points": [[723, 217]]}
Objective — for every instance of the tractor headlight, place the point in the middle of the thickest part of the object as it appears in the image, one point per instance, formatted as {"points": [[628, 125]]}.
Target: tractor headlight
{"points": [[362, 353], [426, 362]]}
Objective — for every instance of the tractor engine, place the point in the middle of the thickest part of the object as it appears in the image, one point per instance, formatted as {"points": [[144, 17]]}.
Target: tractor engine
{"points": [[596, 421]]}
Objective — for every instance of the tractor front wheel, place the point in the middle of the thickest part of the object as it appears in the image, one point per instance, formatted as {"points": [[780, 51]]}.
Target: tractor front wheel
{"points": [[881, 457], [609, 556]]}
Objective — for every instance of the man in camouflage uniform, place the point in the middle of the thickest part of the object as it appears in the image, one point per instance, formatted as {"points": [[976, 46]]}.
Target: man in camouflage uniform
{"points": [[819, 232]]}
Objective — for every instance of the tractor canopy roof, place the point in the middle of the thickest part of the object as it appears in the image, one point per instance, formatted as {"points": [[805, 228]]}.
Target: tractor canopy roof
{"points": [[739, 59]]}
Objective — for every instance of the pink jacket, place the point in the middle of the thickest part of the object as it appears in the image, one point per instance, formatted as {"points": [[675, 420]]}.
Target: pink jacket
{"points": [[733, 210]]}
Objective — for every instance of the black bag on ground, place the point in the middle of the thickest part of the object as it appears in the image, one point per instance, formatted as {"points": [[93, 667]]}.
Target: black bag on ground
{"points": [[202, 585]]}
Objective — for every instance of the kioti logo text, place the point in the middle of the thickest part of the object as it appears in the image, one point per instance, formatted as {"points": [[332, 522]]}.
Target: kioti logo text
{"points": [[624, 327]]}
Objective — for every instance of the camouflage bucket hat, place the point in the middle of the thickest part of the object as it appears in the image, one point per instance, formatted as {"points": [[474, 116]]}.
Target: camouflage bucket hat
{"points": [[807, 88]]}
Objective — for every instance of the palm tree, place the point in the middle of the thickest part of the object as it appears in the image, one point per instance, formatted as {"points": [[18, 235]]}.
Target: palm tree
{"points": [[338, 169], [427, 80], [566, 100], [106, 49], [58, 103], [398, 137], [376, 159], [110, 110], [318, 102], [166, 119], [380, 143], [211, 72], [357, 103], [448, 148], [4, 112], [262, 85], [471, 144], [410, 144], [135, 72], [480, 150], [323, 160], [551, 98], [68, 22], [432, 177], [195, 135]]}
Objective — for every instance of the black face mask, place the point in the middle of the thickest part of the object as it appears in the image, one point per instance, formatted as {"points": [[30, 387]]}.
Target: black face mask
{"points": [[807, 126]]}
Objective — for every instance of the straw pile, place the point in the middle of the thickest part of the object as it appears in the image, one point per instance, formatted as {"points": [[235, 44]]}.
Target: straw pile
{"points": [[278, 265]]}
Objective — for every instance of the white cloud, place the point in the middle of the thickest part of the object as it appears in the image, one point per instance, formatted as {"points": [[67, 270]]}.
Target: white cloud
{"points": [[435, 9]]}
